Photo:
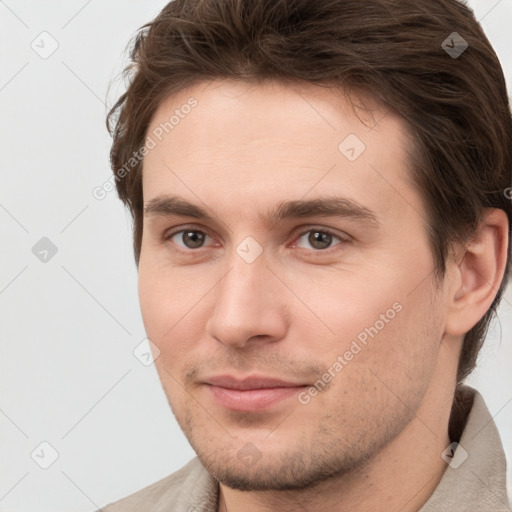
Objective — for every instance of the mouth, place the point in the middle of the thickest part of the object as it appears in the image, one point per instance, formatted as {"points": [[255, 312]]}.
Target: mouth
{"points": [[250, 394]]}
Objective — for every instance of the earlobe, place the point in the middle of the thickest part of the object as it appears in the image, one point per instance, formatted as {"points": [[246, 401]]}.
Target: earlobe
{"points": [[480, 272]]}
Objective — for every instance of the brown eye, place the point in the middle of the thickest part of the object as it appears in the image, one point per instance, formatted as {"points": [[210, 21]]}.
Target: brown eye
{"points": [[319, 239], [193, 239], [188, 238]]}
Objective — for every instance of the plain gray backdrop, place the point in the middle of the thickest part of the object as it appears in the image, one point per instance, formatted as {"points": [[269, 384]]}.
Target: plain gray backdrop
{"points": [[75, 398]]}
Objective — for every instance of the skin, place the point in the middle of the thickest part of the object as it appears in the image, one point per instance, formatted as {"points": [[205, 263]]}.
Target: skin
{"points": [[373, 438]]}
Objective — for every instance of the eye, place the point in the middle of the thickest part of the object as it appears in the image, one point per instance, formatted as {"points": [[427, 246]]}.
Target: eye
{"points": [[318, 239], [188, 238]]}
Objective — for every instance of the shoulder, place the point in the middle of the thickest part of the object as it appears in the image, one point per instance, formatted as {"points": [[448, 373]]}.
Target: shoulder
{"points": [[474, 480], [189, 488]]}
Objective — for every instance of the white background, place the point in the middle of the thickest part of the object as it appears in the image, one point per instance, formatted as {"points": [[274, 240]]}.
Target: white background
{"points": [[69, 326]]}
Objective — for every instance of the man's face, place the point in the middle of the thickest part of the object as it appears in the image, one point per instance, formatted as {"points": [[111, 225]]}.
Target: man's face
{"points": [[333, 310]]}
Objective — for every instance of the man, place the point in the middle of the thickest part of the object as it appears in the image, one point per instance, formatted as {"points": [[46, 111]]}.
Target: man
{"points": [[321, 227]]}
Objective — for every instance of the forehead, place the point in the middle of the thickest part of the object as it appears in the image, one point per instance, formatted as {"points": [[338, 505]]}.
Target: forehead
{"points": [[227, 140]]}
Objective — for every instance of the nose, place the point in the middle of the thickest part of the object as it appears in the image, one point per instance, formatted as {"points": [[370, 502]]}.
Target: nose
{"points": [[249, 305]]}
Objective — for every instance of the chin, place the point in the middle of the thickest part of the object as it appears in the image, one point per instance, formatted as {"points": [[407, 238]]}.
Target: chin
{"points": [[290, 472]]}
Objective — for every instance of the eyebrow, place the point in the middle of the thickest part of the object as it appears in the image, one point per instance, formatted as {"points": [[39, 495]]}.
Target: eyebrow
{"points": [[166, 206]]}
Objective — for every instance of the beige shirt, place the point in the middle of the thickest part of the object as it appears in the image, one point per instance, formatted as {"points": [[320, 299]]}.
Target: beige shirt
{"points": [[472, 484]]}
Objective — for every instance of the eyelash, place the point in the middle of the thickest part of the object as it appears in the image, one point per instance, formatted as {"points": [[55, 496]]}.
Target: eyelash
{"points": [[166, 237]]}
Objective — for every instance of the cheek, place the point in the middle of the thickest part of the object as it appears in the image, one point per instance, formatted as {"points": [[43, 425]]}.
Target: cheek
{"points": [[174, 310], [401, 356], [164, 294], [153, 296], [162, 302], [376, 323]]}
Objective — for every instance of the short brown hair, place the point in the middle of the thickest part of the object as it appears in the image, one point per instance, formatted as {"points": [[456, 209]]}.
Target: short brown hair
{"points": [[455, 106]]}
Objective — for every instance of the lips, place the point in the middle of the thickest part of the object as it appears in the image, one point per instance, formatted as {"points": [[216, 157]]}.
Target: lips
{"points": [[228, 382], [250, 394]]}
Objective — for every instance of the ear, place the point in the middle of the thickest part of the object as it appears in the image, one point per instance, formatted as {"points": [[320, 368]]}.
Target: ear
{"points": [[479, 271]]}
